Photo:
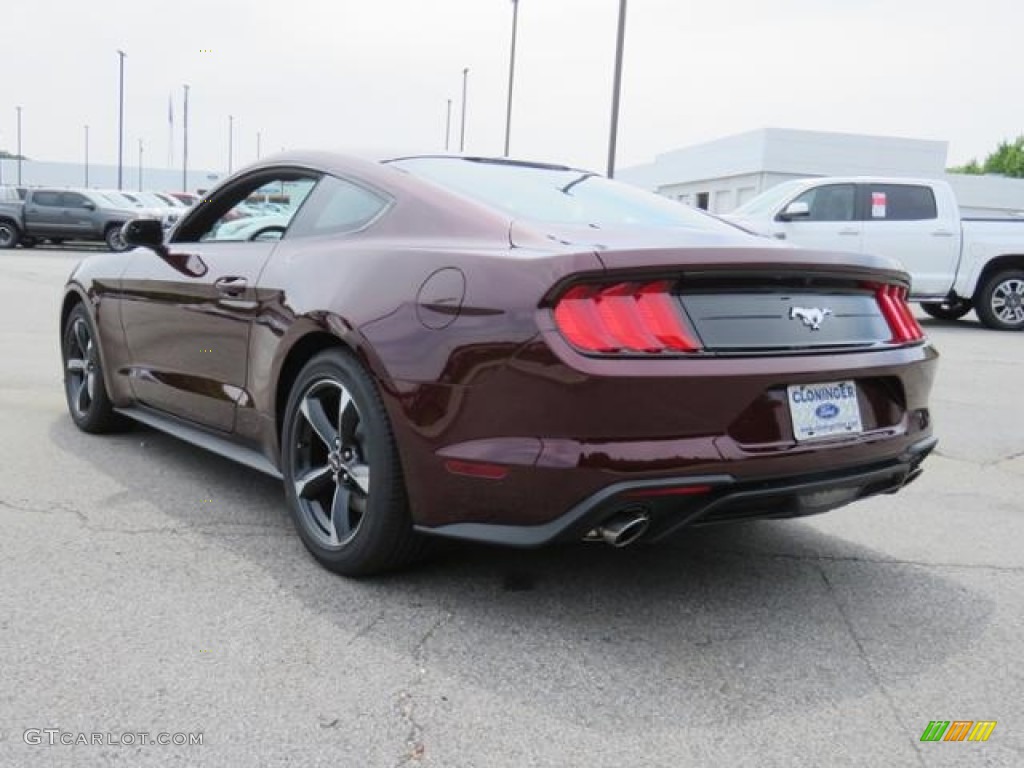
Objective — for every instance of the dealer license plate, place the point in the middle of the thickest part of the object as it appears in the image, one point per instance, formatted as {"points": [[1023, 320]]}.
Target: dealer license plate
{"points": [[824, 410]]}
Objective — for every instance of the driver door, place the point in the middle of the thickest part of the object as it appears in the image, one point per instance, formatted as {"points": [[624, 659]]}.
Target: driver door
{"points": [[187, 319]]}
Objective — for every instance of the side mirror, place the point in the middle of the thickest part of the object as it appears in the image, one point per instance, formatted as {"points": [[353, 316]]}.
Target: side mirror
{"points": [[147, 233], [89, 206], [796, 210]]}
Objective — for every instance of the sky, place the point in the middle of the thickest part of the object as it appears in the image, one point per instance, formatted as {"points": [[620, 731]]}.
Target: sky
{"points": [[336, 74]]}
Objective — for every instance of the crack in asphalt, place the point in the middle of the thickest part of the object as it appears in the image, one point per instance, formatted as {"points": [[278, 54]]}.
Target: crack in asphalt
{"points": [[416, 747], [984, 464], [872, 560], [872, 673]]}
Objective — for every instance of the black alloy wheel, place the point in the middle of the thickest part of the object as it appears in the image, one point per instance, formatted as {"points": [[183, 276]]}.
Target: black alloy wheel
{"points": [[951, 309], [342, 473], [86, 393], [1001, 303]]}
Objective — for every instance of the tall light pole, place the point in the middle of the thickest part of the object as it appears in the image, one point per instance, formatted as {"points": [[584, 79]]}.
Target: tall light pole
{"points": [[184, 158], [87, 157], [120, 118], [462, 133], [140, 165], [511, 73], [448, 127], [19, 145], [231, 141], [259, 136], [613, 137]]}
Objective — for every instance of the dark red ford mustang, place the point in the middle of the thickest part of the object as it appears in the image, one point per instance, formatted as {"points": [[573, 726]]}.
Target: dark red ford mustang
{"points": [[501, 351]]}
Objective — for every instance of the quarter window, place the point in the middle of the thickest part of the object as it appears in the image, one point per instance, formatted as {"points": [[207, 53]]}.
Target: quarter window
{"points": [[337, 207]]}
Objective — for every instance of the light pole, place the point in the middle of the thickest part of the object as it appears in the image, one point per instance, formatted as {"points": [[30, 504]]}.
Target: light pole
{"points": [[120, 118], [184, 157], [87, 157], [231, 140], [140, 165], [448, 127], [511, 73], [19, 145], [613, 136], [259, 136], [462, 132]]}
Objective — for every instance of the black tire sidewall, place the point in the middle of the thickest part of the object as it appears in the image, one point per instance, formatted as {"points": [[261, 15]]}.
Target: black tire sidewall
{"points": [[386, 518], [984, 304], [15, 235], [114, 240], [100, 416]]}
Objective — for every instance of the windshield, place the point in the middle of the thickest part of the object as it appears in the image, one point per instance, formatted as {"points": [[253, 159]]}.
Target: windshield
{"points": [[120, 200], [768, 200], [150, 199], [558, 194]]}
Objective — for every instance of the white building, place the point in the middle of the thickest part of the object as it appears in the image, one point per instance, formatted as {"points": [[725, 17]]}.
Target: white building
{"points": [[37, 173], [720, 175]]}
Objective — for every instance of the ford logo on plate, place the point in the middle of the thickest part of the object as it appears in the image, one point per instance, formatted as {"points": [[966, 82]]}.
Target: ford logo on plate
{"points": [[827, 411]]}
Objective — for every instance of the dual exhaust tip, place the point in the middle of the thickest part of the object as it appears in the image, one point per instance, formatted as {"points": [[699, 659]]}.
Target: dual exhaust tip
{"points": [[622, 528]]}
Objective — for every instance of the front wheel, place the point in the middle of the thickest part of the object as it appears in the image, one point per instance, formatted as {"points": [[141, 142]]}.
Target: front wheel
{"points": [[342, 473], [114, 238], [951, 309], [1000, 302], [88, 403]]}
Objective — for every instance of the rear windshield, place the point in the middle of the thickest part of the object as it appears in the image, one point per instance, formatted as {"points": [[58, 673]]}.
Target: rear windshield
{"points": [[557, 194]]}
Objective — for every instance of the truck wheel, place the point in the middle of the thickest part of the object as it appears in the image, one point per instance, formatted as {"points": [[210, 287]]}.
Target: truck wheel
{"points": [[115, 241], [953, 309], [29, 242], [1000, 303], [9, 234]]}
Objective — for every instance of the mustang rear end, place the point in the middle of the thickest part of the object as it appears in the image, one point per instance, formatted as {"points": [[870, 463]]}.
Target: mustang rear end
{"points": [[681, 387]]}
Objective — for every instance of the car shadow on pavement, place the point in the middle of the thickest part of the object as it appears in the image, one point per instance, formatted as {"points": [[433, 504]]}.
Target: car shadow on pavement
{"points": [[735, 621]]}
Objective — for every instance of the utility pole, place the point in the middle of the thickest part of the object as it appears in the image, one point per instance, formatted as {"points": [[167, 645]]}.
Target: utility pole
{"points": [[120, 118], [87, 157], [231, 141], [140, 165], [614, 134], [462, 133], [184, 158], [259, 136], [448, 127], [19, 145], [511, 74]]}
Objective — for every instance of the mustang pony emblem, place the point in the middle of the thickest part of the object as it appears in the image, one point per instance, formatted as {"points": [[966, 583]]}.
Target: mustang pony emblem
{"points": [[812, 317]]}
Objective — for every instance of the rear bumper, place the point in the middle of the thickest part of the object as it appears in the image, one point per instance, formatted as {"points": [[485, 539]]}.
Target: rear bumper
{"points": [[674, 503]]}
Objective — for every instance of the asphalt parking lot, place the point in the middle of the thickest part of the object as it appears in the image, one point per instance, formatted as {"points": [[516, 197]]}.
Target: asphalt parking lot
{"points": [[146, 586]]}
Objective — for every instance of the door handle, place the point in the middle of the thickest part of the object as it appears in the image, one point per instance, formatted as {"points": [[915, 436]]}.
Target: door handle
{"points": [[779, 235], [231, 286], [942, 233], [849, 231]]}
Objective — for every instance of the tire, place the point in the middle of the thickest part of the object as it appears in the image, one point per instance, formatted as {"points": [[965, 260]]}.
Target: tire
{"points": [[56, 241], [115, 241], [329, 467], [86, 394], [29, 242], [9, 234], [952, 309], [1000, 302]]}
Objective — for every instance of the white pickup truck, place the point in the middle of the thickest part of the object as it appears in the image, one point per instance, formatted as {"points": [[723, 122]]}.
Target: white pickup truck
{"points": [[955, 264]]}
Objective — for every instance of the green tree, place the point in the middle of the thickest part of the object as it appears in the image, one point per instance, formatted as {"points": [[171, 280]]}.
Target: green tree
{"points": [[1007, 160]]}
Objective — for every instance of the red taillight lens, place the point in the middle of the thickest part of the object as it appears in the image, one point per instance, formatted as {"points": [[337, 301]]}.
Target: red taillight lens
{"points": [[624, 317], [893, 301]]}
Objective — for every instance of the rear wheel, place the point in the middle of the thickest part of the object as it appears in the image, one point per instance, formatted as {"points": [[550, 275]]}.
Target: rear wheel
{"points": [[342, 473], [951, 309], [86, 394], [1000, 302], [115, 241], [9, 234]]}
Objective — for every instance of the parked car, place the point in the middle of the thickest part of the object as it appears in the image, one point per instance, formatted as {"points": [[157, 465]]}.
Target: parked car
{"points": [[186, 197], [65, 214], [252, 227], [955, 264], [168, 214], [505, 352]]}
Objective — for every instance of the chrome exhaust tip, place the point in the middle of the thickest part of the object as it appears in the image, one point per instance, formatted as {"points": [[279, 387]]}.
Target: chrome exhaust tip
{"points": [[621, 529]]}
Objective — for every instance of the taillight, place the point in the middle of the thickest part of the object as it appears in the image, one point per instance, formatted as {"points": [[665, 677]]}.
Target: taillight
{"points": [[623, 317], [893, 301]]}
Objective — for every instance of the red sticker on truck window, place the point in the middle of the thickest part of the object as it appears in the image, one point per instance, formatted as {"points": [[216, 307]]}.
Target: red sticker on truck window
{"points": [[878, 205]]}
